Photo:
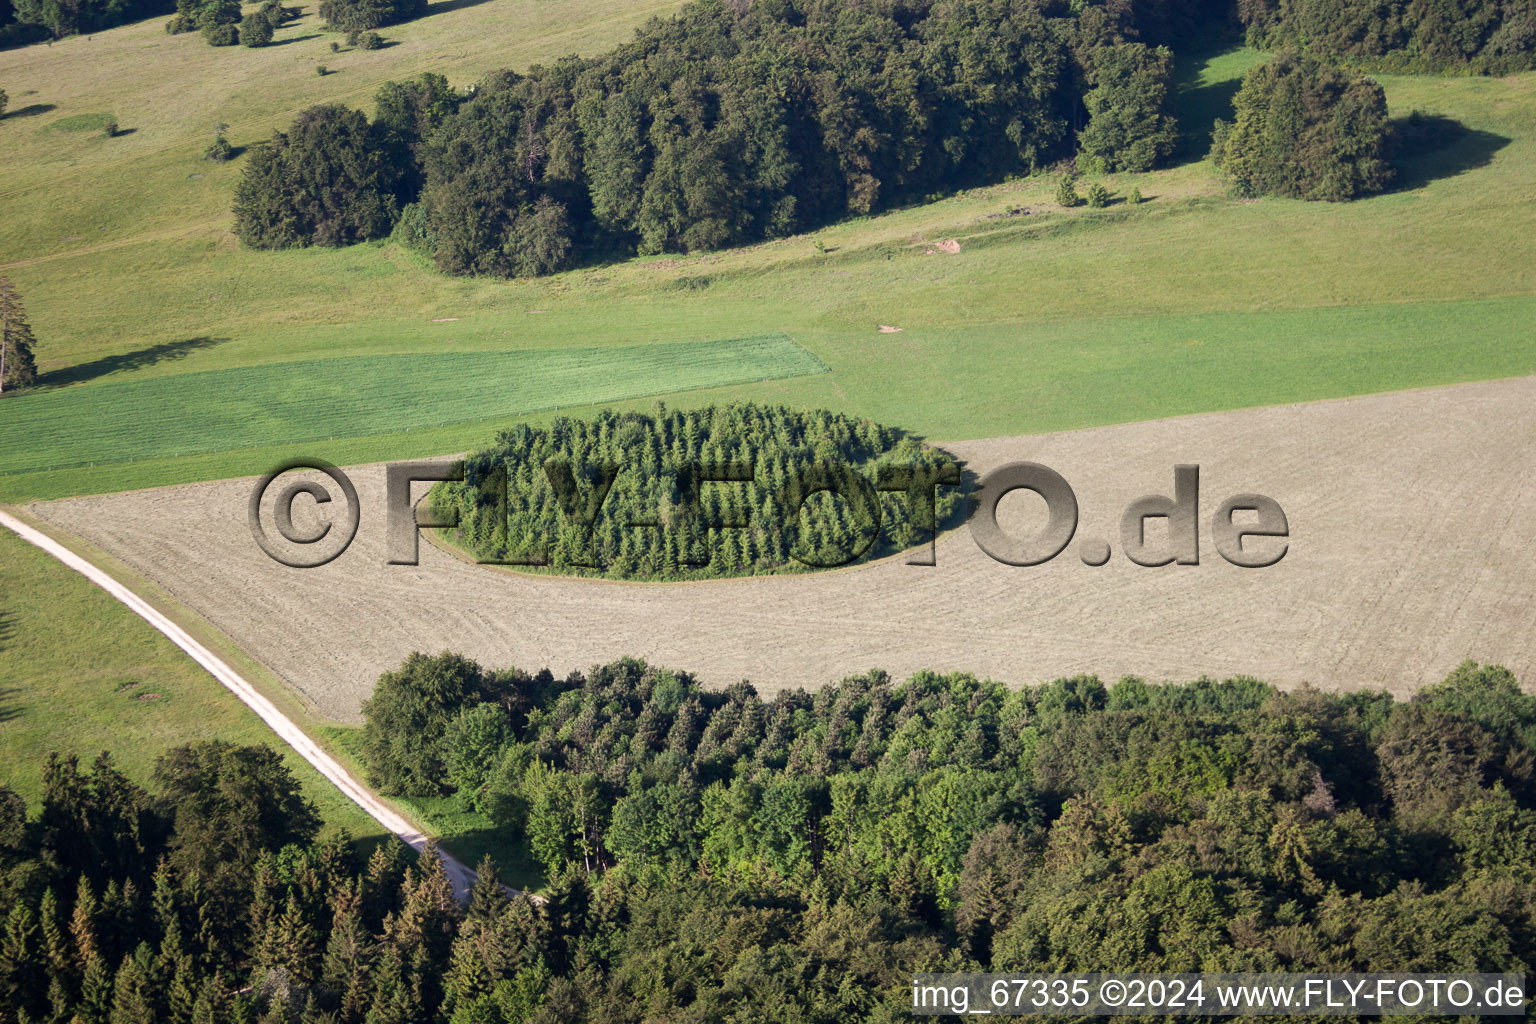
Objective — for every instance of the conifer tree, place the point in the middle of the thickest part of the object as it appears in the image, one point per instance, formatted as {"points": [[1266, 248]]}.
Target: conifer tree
{"points": [[21, 961], [82, 923], [56, 951], [18, 368]]}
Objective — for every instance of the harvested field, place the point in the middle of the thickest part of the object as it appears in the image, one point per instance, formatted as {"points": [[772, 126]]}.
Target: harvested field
{"points": [[1411, 549]]}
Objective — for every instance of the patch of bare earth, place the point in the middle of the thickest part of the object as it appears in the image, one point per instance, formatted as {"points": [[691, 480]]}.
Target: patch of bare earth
{"points": [[1412, 548]]}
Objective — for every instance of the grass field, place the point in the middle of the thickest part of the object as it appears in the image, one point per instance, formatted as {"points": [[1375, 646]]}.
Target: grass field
{"points": [[1191, 302], [162, 341], [80, 673], [254, 406]]}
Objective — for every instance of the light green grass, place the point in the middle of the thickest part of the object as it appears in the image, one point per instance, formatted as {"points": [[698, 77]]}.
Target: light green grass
{"points": [[1193, 301], [255, 406], [81, 123], [76, 672]]}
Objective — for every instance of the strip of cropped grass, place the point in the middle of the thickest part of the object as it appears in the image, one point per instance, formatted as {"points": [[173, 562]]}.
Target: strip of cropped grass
{"points": [[247, 407]]}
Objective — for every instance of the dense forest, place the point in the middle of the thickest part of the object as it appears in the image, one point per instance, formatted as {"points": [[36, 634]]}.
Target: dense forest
{"points": [[1489, 36], [734, 121], [712, 856], [722, 491], [738, 121]]}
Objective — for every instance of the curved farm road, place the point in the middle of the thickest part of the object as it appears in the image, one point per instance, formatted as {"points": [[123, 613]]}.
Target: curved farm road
{"points": [[460, 875], [1412, 548]]}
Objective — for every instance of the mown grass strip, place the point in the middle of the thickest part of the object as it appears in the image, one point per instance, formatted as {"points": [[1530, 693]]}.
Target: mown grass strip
{"points": [[223, 410]]}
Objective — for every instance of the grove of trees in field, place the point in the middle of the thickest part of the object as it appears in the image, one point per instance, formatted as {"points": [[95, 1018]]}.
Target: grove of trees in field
{"points": [[736, 121], [1305, 130], [722, 491], [1489, 36], [714, 856]]}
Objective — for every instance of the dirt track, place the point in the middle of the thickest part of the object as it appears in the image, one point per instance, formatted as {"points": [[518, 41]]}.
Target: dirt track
{"points": [[1413, 547], [461, 877]]}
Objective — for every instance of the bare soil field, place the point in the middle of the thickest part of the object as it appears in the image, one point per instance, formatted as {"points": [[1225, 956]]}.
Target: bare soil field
{"points": [[1413, 547]]}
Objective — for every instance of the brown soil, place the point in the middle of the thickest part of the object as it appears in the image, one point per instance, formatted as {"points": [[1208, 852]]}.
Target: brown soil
{"points": [[1412, 548]]}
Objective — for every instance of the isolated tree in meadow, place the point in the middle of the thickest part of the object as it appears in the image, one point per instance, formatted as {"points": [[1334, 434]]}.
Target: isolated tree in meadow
{"points": [[255, 30], [1066, 192], [4, 99], [1305, 130], [17, 366]]}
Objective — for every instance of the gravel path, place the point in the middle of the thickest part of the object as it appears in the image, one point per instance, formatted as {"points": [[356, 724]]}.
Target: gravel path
{"points": [[460, 875]]}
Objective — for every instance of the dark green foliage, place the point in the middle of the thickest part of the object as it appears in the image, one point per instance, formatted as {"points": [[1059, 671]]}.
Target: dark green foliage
{"points": [[369, 41], [409, 112], [18, 366], [4, 100], [1133, 197], [1207, 826], [1129, 127], [68, 17], [1097, 196], [219, 150], [221, 34], [678, 141], [730, 122], [331, 179], [1494, 36], [1305, 130], [411, 230], [255, 30], [228, 805], [784, 455], [276, 13], [1066, 192], [407, 717], [362, 15], [713, 856], [218, 20]]}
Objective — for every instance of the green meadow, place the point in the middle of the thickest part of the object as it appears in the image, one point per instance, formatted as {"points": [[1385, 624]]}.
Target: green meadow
{"points": [[254, 406], [169, 354], [80, 674], [161, 341]]}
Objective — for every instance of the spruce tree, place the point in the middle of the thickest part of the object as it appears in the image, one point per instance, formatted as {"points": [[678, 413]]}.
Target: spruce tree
{"points": [[82, 923], [1066, 192], [21, 962], [56, 952], [18, 368]]}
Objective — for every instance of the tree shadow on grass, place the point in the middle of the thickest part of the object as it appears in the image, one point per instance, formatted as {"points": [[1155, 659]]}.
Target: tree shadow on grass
{"points": [[451, 5], [136, 360], [31, 110], [1427, 147], [1198, 108], [8, 708], [295, 39]]}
